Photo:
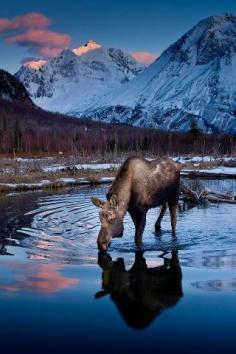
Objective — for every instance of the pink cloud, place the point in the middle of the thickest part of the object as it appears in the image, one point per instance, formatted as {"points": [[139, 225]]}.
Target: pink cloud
{"points": [[30, 31], [37, 39], [32, 20], [49, 52], [145, 58], [46, 43]]}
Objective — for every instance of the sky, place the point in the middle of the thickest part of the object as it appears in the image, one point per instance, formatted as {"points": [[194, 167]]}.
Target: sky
{"points": [[42, 28]]}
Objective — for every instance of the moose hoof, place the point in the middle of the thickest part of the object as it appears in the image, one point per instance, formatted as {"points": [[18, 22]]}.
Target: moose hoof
{"points": [[138, 241], [157, 229]]}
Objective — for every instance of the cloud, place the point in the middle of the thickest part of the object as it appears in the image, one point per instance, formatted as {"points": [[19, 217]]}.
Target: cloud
{"points": [[31, 31], [32, 20], [145, 58], [46, 43]]}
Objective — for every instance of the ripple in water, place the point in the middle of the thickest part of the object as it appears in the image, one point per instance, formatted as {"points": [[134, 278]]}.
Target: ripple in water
{"points": [[65, 227]]}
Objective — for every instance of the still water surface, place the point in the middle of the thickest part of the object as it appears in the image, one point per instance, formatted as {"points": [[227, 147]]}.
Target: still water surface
{"points": [[57, 294]]}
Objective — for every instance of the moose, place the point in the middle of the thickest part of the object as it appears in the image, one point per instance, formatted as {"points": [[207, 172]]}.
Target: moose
{"points": [[141, 293], [139, 185]]}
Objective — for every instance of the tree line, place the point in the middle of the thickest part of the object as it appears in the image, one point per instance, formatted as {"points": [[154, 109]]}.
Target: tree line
{"points": [[25, 129]]}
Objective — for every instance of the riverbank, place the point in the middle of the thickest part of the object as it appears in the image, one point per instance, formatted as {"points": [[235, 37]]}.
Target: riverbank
{"points": [[22, 174]]}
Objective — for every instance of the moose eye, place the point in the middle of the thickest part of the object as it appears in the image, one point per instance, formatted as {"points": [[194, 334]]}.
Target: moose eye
{"points": [[102, 214], [110, 217]]}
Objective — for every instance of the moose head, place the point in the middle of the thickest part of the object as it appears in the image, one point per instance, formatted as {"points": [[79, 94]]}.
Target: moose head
{"points": [[111, 221]]}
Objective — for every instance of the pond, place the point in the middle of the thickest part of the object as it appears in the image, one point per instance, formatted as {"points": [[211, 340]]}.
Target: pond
{"points": [[57, 294]]}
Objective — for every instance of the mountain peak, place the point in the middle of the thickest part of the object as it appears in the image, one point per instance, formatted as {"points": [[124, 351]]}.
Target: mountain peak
{"points": [[217, 20], [211, 38], [92, 44], [193, 80], [87, 47], [82, 75], [218, 23], [34, 64]]}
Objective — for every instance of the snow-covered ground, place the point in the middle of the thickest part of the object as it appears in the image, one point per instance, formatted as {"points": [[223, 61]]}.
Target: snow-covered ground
{"points": [[196, 160], [63, 182], [51, 164], [84, 166], [51, 167], [199, 159], [218, 170]]}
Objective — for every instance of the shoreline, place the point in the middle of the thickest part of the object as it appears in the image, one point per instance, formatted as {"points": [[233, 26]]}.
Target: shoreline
{"points": [[65, 182], [24, 174]]}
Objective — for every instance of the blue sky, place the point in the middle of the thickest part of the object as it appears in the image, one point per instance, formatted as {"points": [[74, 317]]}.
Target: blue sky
{"points": [[141, 25]]}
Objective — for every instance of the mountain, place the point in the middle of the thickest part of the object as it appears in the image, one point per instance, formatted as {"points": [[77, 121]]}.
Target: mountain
{"points": [[26, 128], [73, 81], [194, 80], [12, 90]]}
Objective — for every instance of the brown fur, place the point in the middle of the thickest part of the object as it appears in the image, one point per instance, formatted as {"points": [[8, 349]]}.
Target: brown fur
{"points": [[139, 185]]}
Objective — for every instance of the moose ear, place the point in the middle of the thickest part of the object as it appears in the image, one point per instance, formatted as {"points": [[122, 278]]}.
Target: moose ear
{"points": [[113, 201], [97, 202]]}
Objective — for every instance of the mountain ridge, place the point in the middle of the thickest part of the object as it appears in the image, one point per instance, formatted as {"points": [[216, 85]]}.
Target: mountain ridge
{"points": [[82, 75], [193, 80]]}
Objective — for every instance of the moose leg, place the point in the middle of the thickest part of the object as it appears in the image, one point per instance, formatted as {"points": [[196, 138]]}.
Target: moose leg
{"points": [[140, 222], [140, 261], [173, 210], [133, 215], [158, 222]]}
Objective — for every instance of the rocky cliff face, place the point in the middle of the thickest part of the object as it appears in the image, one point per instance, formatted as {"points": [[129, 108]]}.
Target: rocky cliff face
{"points": [[12, 90]]}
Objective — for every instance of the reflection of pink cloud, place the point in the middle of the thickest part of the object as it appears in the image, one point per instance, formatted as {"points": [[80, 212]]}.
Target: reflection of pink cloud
{"points": [[48, 280], [44, 42], [32, 20], [37, 277], [145, 58]]}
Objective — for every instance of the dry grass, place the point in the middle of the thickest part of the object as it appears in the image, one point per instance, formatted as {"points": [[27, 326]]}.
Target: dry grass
{"points": [[31, 171], [37, 176], [4, 188]]}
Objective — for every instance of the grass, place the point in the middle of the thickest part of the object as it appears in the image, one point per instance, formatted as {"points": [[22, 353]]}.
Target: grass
{"points": [[38, 176]]}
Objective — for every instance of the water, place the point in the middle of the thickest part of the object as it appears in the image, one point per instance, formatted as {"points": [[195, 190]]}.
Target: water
{"points": [[58, 295]]}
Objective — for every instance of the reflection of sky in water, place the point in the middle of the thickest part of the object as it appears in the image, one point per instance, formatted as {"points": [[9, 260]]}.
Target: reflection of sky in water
{"points": [[49, 278], [34, 277], [64, 228]]}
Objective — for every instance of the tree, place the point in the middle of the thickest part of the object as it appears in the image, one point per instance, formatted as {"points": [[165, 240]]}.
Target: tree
{"points": [[17, 137], [194, 131]]}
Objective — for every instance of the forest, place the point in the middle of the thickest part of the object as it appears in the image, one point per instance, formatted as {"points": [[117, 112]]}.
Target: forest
{"points": [[30, 130]]}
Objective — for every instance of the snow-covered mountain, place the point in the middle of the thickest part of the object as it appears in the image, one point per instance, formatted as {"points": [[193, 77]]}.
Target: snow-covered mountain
{"points": [[193, 80], [76, 79]]}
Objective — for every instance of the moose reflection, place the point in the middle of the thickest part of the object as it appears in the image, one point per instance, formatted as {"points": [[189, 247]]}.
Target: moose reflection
{"points": [[141, 293]]}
